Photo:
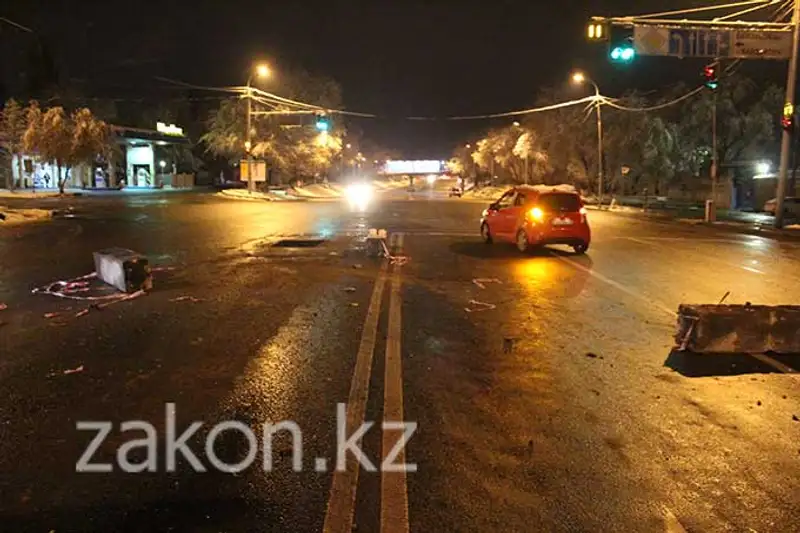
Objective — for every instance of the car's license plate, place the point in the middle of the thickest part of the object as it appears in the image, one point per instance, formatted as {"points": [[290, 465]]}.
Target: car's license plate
{"points": [[562, 221]]}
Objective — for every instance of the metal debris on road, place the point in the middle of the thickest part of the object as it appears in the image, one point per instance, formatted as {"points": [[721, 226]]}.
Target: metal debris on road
{"points": [[186, 298], [480, 282], [73, 370], [479, 306], [50, 315], [82, 312], [353, 304]]}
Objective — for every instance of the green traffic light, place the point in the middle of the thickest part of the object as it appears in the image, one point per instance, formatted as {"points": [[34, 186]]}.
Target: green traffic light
{"points": [[624, 54]]}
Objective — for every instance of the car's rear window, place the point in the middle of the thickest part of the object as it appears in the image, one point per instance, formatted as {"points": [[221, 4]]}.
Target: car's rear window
{"points": [[559, 202]]}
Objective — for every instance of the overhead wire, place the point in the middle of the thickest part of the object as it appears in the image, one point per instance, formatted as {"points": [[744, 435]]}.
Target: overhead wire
{"points": [[700, 9], [749, 10], [525, 111]]}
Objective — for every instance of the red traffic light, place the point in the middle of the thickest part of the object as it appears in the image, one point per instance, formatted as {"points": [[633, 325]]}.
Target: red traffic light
{"points": [[710, 75], [787, 123]]}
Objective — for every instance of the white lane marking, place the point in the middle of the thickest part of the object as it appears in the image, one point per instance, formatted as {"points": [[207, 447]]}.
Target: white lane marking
{"points": [[671, 522], [764, 358], [394, 489], [761, 357], [619, 286], [341, 502], [729, 263]]}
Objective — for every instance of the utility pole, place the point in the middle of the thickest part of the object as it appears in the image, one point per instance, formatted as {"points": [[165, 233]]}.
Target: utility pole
{"points": [[786, 141], [599, 147], [711, 212], [248, 145]]}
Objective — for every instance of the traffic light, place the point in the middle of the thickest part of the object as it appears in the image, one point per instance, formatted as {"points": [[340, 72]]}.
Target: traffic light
{"points": [[596, 31], [322, 123], [710, 76], [621, 49], [787, 120]]}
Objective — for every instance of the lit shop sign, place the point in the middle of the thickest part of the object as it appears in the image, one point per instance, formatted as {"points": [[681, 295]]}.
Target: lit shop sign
{"points": [[413, 167], [168, 129]]}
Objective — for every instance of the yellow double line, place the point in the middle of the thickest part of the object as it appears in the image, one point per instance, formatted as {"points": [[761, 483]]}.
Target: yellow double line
{"points": [[394, 492]]}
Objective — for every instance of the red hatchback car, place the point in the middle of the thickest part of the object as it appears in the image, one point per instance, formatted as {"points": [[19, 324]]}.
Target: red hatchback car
{"points": [[531, 216]]}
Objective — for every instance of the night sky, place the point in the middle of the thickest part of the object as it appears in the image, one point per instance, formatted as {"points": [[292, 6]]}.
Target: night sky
{"points": [[394, 59]]}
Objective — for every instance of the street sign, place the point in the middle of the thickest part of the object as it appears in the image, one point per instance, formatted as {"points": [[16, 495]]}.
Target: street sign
{"points": [[259, 170], [750, 44], [712, 43]]}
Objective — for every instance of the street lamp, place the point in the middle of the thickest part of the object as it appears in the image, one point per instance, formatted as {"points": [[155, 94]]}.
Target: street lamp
{"points": [[262, 71], [763, 167], [579, 78]]}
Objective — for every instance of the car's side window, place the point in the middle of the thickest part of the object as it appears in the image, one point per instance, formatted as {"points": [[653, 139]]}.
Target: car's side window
{"points": [[506, 200], [519, 200]]}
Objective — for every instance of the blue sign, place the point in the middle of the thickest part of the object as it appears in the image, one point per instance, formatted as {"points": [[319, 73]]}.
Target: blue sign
{"points": [[699, 43]]}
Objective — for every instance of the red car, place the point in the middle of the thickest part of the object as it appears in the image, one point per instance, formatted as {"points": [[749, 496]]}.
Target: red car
{"points": [[531, 216]]}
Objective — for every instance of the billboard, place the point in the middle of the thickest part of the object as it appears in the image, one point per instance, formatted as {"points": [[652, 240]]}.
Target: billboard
{"points": [[414, 167]]}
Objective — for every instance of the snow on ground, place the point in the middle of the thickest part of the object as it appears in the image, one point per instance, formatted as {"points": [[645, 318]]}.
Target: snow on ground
{"points": [[244, 194], [20, 216], [27, 193], [485, 193]]}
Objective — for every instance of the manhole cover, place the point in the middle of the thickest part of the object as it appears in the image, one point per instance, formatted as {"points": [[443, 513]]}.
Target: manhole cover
{"points": [[298, 243]]}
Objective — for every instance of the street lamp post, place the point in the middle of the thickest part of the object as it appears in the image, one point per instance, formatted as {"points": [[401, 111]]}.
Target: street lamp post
{"points": [[581, 78], [262, 71]]}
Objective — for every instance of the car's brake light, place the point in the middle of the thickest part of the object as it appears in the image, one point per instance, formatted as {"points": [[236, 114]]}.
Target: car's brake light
{"points": [[582, 211]]}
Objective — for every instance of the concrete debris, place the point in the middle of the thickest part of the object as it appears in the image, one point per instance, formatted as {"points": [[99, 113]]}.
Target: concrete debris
{"points": [[349, 289], [738, 328], [50, 315], [73, 370], [82, 312], [357, 265]]}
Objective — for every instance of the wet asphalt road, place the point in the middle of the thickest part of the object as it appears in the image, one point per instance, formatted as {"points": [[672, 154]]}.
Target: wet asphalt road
{"points": [[557, 407]]}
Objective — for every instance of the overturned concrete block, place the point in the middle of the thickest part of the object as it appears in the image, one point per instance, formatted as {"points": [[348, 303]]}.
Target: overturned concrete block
{"points": [[124, 269], [739, 328]]}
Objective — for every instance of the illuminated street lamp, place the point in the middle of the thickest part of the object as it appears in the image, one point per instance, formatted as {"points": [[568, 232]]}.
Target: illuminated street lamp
{"points": [[579, 78], [262, 71], [763, 167]]}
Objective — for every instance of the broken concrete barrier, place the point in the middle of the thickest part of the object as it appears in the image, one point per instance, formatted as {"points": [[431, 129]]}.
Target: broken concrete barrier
{"points": [[739, 328]]}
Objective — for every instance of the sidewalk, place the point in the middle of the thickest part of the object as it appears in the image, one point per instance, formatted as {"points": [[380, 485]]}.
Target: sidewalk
{"points": [[53, 193], [727, 220]]}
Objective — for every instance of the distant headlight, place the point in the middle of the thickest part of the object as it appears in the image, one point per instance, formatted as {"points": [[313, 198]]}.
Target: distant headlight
{"points": [[358, 193]]}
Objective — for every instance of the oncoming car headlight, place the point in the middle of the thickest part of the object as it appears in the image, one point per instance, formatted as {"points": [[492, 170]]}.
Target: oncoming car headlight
{"points": [[358, 193]]}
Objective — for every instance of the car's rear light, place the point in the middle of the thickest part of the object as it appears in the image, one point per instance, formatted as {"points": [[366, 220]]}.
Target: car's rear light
{"points": [[582, 211], [536, 214]]}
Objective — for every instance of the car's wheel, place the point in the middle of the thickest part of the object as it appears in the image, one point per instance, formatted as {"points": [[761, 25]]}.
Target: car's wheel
{"points": [[485, 233], [581, 248], [522, 241]]}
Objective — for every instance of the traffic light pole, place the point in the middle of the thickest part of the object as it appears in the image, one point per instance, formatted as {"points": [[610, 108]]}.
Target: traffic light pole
{"points": [[786, 140]]}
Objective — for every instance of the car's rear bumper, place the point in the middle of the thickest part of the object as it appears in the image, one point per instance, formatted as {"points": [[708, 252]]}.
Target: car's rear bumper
{"points": [[575, 235]]}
